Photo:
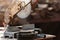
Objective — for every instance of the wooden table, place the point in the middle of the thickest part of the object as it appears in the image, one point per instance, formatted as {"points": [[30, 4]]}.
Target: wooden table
{"points": [[48, 37]]}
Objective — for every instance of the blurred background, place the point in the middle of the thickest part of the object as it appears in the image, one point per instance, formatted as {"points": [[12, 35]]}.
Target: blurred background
{"points": [[45, 14]]}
